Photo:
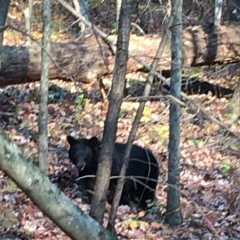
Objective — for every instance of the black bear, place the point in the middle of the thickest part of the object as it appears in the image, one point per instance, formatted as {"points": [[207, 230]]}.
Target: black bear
{"points": [[142, 166]]}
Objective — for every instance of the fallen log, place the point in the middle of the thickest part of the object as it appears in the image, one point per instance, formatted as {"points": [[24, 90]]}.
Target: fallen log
{"points": [[91, 56]]}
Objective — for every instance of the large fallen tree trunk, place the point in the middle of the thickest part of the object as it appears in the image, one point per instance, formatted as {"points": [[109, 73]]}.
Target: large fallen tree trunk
{"points": [[91, 56]]}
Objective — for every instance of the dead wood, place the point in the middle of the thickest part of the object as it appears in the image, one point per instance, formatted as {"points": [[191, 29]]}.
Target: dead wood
{"points": [[91, 57]]}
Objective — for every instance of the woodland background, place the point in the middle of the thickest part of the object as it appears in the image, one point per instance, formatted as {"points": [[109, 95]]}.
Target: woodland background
{"points": [[210, 169]]}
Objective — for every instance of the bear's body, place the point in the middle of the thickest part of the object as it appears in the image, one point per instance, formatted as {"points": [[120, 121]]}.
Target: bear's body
{"points": [[142, 166]]}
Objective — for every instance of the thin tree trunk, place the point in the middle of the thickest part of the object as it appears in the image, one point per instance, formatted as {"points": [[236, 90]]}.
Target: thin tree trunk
{"points": [[110, 125], [218, 12], [232, 109], [149, 81], [52, 202], [28, 20], [118, 8], [174, 216], [43, 108], [4, 5]]}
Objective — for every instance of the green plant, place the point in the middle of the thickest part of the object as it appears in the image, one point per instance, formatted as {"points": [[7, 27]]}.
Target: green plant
{"points": [[226, 166], [153, 207], [80, 101]]}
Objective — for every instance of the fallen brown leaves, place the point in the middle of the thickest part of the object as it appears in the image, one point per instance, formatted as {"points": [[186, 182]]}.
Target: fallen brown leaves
{"points": [[210, 186]]}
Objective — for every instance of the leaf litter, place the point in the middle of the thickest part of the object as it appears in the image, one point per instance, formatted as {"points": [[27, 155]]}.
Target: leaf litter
{"points": [[210, 172]]}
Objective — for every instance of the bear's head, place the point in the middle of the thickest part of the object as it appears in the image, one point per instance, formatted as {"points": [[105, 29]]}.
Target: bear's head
{"points": [[83, 152]]}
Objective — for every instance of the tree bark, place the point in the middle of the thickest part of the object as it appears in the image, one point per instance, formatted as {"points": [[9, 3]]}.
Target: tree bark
{"points": [[91, 57], [4, 5], [232, 109], [147, 89], [28, 19], [47, 196], [43, 106], [218, 12], [110, 125], [83, 60], [174, 215]]}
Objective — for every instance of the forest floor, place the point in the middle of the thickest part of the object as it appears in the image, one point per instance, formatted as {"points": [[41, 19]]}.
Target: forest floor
{"points": [[210, 169]]}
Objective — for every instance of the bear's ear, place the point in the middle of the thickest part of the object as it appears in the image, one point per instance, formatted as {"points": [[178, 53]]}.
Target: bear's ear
{"points": [[93, 142], [71, 140]]}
